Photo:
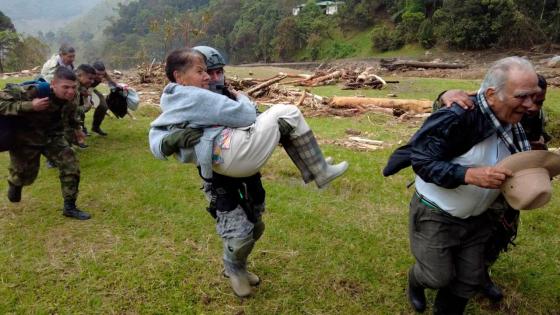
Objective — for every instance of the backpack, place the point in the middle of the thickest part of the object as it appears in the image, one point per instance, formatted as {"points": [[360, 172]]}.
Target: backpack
{"points": [[117, 101], [16, 91], [8, 128]]}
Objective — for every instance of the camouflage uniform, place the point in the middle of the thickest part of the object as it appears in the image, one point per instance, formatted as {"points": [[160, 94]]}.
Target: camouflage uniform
{"points": [[83, 104], [41, 132]]}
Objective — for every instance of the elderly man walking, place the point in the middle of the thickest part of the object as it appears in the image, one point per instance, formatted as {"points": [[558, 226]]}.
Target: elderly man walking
{"points": [[454, 156], [65, 58]]}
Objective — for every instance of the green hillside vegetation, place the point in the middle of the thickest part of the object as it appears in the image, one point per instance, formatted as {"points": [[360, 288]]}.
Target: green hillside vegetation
{"points": [[86, 31], [18, 51], [266, 31], [31, 16], [355, 44]]}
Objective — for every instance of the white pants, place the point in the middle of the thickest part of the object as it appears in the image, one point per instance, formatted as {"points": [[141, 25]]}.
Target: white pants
{"points": [[250, 148]]}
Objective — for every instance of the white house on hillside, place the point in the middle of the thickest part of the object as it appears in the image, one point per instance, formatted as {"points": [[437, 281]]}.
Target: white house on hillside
{"points": [[328, 7]]}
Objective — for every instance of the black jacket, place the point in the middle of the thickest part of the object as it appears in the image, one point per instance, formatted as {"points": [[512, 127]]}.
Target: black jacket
{"points": [[445, 135]]}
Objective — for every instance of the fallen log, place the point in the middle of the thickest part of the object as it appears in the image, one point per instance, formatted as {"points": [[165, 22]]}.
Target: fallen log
{"points": [[301, 98], [396, 64], [367, 141], [315, 81], [417, 106], [265, 84], [297, 75]]}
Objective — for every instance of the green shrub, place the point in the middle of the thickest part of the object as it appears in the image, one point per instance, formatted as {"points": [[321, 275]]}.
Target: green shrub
{"points": [[426, 36], [410, 24], [385, 39], [339, 50]]}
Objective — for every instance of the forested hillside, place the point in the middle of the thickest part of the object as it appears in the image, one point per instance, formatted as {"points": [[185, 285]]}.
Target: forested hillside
{"points": [[31, 16], [267, 30], [86, 32], [125, 32], [18, 51]]}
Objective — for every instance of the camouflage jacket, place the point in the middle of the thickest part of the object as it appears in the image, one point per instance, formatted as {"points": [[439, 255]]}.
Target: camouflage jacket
{"points": [[83, 100], [36, 128]]}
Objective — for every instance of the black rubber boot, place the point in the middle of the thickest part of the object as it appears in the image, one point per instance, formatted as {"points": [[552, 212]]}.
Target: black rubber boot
{"points": [[491, 290], [14, 192], [415, 293], [98, 130], [98, 117], [447, 303], [70, 210]]}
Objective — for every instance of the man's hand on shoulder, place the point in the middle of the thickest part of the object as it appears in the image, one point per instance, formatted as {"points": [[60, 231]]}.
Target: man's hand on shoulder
{"points": [[457, 96], [40, 104], [491, 177]]}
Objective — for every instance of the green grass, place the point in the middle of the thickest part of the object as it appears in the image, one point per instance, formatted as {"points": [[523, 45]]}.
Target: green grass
{"points": [[151, 247]]}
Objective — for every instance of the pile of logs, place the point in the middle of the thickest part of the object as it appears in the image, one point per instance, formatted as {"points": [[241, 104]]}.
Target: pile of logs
{"points": [[351, 79], [23, 73], [285, 88], [151, 73]]}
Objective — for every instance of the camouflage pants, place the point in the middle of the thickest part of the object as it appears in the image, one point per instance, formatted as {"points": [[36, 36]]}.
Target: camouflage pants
{"points": [[24, 165], [239, 236]]}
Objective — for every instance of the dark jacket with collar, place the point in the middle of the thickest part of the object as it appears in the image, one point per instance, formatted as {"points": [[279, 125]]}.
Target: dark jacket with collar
{"points": [[445, 135]]}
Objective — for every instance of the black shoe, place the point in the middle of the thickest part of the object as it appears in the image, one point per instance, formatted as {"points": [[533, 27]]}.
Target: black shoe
{"points": [[83, 145], [447, 303], [492, 291], [14, 192], [99, 131], [416, 294], [70, 210], [76, 214]]}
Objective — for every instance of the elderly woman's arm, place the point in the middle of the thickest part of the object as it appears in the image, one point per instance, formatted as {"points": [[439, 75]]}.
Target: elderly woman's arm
{"points": [[202, 108], [223, 111]]}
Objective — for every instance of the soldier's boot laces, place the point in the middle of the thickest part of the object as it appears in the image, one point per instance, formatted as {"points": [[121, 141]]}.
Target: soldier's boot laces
{"points": [[70, 210], [14, 192]]}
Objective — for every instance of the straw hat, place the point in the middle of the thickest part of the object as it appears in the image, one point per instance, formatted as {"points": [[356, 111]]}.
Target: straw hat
{"points": [[530, 186]]}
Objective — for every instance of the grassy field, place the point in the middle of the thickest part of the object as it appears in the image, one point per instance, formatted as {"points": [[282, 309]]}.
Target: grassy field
{"points": [[151, 248]]}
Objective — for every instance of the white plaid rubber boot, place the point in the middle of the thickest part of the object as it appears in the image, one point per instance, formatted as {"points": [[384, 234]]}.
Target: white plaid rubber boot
{"points": [[312, 157], [293, 153]]}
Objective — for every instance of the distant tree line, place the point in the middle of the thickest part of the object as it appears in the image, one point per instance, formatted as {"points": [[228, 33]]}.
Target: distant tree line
{"points": [[17, 51], [266, 30]]}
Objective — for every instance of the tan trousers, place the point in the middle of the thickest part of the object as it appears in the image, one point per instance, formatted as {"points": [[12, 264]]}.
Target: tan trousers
{"points": [[251, 147]]}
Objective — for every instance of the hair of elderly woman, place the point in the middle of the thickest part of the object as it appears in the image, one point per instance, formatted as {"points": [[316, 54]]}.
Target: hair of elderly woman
{"points": [[497, 75], [180, 60]]}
